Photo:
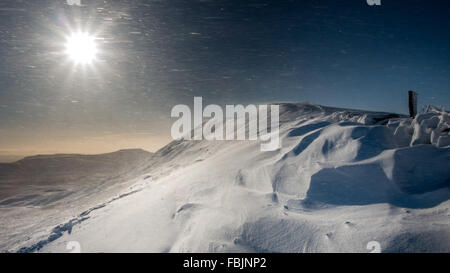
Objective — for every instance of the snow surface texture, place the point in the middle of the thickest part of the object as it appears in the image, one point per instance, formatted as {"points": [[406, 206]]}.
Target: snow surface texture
{"points": [[342, 179], [40, 192]]}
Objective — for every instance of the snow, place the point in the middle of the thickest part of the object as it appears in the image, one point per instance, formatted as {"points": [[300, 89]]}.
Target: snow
{"points": [[432, 127], [341, 179], [38, 193]]}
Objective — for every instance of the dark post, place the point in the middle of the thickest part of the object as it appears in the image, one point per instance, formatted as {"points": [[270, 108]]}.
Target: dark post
{"points": [[412, 102]]}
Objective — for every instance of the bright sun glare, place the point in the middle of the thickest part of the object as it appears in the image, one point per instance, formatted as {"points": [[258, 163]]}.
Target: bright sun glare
{"points": [[81, 48]]}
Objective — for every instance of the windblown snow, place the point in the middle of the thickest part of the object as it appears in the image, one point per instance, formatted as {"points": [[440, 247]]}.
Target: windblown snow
{"points": [[341, 179]]}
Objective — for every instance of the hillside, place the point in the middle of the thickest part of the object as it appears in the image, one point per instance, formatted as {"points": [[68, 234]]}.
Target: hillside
{"points": [[342, 179], [40, 191]]}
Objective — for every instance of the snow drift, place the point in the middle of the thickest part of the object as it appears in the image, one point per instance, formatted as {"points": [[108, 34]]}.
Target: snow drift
{"points": [[341, 179]]}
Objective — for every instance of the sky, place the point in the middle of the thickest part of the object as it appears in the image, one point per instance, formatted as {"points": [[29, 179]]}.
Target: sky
{"points": [[153, 55]]}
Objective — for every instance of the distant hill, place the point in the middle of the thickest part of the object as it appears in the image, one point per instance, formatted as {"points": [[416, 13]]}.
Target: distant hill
{"points": [[67, 169]]}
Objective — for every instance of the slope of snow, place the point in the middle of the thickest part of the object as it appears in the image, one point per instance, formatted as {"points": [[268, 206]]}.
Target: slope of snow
{"points": [[341, 179], [39, 192]]}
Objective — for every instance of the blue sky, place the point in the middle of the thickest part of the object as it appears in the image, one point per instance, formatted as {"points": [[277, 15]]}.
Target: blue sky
{"points": [[156, 54]]}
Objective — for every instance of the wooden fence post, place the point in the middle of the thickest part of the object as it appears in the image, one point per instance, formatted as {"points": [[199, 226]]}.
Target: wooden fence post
{"points": [[412, 103]]}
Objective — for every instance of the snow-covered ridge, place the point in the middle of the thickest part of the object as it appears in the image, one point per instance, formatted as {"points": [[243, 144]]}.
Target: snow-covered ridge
{"points": [[66, 169], [341, 179]]}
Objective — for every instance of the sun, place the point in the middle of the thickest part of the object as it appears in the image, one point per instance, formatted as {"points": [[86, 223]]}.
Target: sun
{"points": [[81, 48]]}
